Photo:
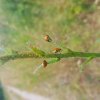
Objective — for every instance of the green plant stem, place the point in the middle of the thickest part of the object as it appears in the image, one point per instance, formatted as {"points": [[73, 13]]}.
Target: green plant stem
{"points": [[32, 55], [73, 54]]}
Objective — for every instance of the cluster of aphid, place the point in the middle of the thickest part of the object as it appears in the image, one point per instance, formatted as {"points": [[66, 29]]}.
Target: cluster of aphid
{"points": [[55, 50]]}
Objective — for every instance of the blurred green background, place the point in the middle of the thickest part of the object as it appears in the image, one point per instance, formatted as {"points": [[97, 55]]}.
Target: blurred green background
{"points": [[73, 24]]}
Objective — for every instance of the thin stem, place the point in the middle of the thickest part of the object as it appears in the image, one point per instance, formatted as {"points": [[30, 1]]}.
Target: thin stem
{"points": [[64, 55]]}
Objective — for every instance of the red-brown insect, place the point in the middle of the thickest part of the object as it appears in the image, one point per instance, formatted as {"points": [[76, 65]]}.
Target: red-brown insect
{"points": [[44, 64], [47, 38], [56, 50]]}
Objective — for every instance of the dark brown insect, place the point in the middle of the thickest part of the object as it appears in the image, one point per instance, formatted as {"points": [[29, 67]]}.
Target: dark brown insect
{"points": [[47, 38], [45, 63], [56, 50]]}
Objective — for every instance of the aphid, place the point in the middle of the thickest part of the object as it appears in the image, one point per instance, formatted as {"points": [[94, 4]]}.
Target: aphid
{"points": [[56, 50], [47, 38], [44, 63]]}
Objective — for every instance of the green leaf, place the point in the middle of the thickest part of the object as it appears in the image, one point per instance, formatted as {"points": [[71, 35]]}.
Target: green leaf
{"points": [[38, 52], [53, 60], [82, 66]]}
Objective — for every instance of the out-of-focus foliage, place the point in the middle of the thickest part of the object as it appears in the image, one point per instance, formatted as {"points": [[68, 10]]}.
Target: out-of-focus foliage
{"points": [[73, 24], [28, 14], [27, 17]]}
